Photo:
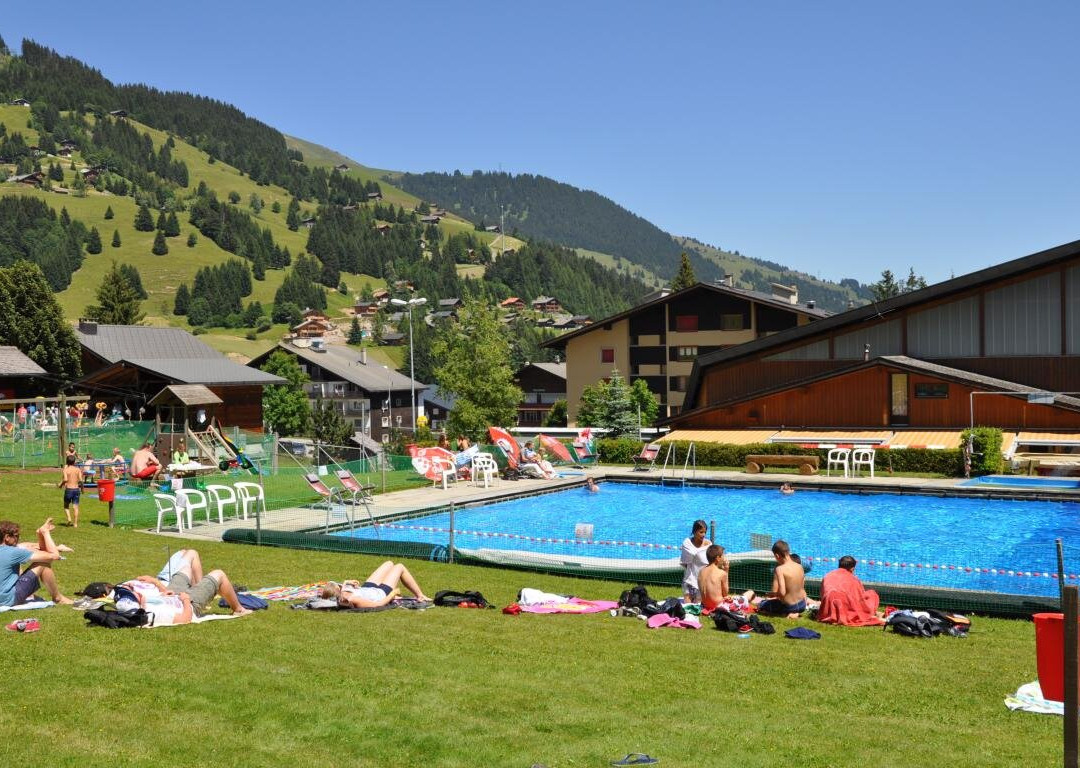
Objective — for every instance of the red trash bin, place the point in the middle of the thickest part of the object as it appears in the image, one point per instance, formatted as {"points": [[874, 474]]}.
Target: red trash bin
{"points": [[106, 489], [1050, 654]]}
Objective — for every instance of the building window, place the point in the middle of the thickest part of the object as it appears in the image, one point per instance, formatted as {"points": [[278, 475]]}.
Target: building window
{"points": [[687, 354], [686, 323], [607, 355], [731, 322], [929, 390], [385, 422], [678, 383]]}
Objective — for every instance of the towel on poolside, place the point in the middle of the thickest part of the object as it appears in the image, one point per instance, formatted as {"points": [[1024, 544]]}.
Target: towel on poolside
{"points": [[1029, 698], [529, 596], [197, 620], [32, 605], [844, 601], [573, 605]]}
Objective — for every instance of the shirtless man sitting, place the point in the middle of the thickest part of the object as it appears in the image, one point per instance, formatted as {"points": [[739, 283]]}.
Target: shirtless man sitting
{"points": [[788, 595], [144, 464], [713, 580]]}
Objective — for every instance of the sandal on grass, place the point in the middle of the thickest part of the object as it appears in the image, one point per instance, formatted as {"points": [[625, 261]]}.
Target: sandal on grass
{"points": [[636, 758]]}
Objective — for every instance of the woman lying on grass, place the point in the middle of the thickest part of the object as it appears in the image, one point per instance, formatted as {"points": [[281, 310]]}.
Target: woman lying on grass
{"points": [[380, 588]]}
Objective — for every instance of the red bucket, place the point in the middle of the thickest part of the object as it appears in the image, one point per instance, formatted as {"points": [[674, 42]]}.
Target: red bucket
{"points": [[1050, 654], [106, 489]]}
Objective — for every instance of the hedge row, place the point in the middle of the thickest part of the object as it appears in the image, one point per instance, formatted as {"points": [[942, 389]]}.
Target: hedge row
{"points": [[921, 460]]}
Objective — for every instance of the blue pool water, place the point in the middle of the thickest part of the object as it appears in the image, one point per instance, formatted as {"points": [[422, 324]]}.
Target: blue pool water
{"points": [[984, 544], [1027, 483]]}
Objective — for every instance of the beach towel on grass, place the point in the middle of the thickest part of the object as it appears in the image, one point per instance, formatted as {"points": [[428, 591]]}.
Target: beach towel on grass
{"points": [[196, 620], [31, 606], [658, 620], [1029, 698], [572, 605], [330, 604], [302, 592], [844, 601]]}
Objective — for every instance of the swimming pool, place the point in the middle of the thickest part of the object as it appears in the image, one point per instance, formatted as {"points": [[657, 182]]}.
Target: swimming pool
{"points": [[1024, 482], [992, 545]]}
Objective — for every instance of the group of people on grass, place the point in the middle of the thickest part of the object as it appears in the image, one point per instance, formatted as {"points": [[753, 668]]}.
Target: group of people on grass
{"points": [[844, 600]]}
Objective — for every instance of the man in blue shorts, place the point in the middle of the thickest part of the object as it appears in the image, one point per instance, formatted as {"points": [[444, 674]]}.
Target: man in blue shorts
{"points": [[788, 594], [16, 588]]}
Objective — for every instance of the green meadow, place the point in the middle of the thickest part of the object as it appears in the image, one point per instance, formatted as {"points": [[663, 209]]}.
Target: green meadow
{"points": [[456, 687]]}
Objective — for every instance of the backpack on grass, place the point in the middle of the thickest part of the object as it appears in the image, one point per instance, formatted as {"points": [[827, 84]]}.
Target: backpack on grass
{"points": [[929, 623], [107, 617], [636, 597], [450, 598]]}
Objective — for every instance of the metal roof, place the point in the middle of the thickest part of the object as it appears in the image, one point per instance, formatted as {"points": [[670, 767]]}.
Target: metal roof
{"points": [[555, 369], [761, 298], [221, 371], [113, 343], [344, 361], [14, 363]]}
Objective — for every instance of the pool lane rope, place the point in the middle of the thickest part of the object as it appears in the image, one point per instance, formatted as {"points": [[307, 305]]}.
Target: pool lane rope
{"points": [[956, 568], [648, 545]]}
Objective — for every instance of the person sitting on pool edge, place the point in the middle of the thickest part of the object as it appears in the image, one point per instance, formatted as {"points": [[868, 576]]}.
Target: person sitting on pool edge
{"points": [[788, 594], [380, 588]]}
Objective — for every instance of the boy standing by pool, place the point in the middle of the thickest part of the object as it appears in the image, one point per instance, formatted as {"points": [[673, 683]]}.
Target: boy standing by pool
{"points": [[71, 482], [788, 595]]}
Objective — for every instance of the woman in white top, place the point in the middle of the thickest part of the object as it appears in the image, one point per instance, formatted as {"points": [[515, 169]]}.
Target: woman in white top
{"points": [[692, 558]]}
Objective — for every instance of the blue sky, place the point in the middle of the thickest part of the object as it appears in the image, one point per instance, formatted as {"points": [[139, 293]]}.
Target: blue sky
{"points": [[840, 138]]}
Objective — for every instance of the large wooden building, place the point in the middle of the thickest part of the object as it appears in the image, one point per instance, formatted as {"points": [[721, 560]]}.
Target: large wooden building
{"points": [[659, 339], [130, 364], [1000, 347]]}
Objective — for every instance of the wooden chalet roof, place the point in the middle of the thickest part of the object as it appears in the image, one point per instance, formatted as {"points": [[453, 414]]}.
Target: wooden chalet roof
{"points": [[185, 394], [14, 363]]}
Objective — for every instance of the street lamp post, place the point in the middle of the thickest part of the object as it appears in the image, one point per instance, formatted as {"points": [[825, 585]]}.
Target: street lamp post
{"points": [[412, 373]]}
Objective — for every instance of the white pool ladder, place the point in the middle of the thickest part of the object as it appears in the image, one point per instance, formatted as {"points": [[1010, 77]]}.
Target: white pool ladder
{"points": [[689, 466]]}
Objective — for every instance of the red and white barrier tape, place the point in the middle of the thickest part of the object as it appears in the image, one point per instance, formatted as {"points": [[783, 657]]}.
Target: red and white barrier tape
{"points": [[959, 568]]}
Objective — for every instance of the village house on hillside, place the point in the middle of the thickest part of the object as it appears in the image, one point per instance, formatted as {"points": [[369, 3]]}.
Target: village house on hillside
{"points": [[547, 304], [371, 397], [513, 303], [659, 339]]}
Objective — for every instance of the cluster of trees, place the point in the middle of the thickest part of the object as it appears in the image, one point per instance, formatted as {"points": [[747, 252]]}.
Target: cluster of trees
{"points": [[581, 284], [618, 407], [216, 297], [118, 297], [348, 241], [32, 320], [298, 291], [31, 230], [234, 231], [545, 209], [888, 286]]}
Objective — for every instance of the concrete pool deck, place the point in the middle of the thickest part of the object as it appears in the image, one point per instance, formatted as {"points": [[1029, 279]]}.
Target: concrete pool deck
{"points": [[408, 503]]}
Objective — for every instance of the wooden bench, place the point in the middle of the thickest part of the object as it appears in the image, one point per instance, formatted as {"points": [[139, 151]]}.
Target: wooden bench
{"points": [[807, 465]]}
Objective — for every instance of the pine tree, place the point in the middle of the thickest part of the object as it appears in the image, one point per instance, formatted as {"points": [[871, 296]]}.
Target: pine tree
{"points": [[328, 426], [258, 267], [143, 221], [685, 277], [131, 273], [192, 239], [118, 301], [116, 238], [356, 333], [93, 241], [160, 246], [172, 225], [183, 298], [161, 221], [109, 213], [292, 217]]}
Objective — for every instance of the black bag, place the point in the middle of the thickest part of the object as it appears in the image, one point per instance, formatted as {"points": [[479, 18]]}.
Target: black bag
{"points": [[672, 606], [107, 617], [731, 621], [636, 597], [761, 627], [913, 624], [452, 599], [954, 624]]}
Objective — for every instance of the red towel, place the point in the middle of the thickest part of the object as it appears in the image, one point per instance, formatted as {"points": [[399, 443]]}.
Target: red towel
{"points": [[844, 601]]}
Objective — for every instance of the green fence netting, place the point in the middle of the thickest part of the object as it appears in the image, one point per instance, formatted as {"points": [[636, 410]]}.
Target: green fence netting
{"points": [[39, 446]]}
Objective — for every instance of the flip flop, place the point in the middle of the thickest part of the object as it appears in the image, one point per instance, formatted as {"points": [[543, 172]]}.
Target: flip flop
{"points": [[636, 758]]}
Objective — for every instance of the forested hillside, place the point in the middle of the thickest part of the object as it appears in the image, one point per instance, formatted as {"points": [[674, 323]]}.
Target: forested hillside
{"points": [[545, 209]]}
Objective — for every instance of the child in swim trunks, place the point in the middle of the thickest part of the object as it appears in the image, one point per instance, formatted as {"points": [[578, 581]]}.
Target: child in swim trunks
{"points": [[71, 482]]}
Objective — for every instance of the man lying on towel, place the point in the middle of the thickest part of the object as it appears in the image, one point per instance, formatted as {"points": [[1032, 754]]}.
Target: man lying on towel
{"points": [[844, 601], [166, 608]]}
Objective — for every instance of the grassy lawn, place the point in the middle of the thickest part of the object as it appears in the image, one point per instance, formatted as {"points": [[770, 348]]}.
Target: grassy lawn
{"points": [[454, 687]]}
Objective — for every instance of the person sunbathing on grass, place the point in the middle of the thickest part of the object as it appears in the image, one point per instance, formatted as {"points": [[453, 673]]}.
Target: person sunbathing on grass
{"points": [[166, 608], [184, 573], [380, 588]]}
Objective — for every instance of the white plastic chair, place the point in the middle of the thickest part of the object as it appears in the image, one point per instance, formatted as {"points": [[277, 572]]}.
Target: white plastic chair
{"points": [[838, 457], [251, 495], [166, 505], [220, 495], [192, 499], [484, 469], [862, 457]]}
